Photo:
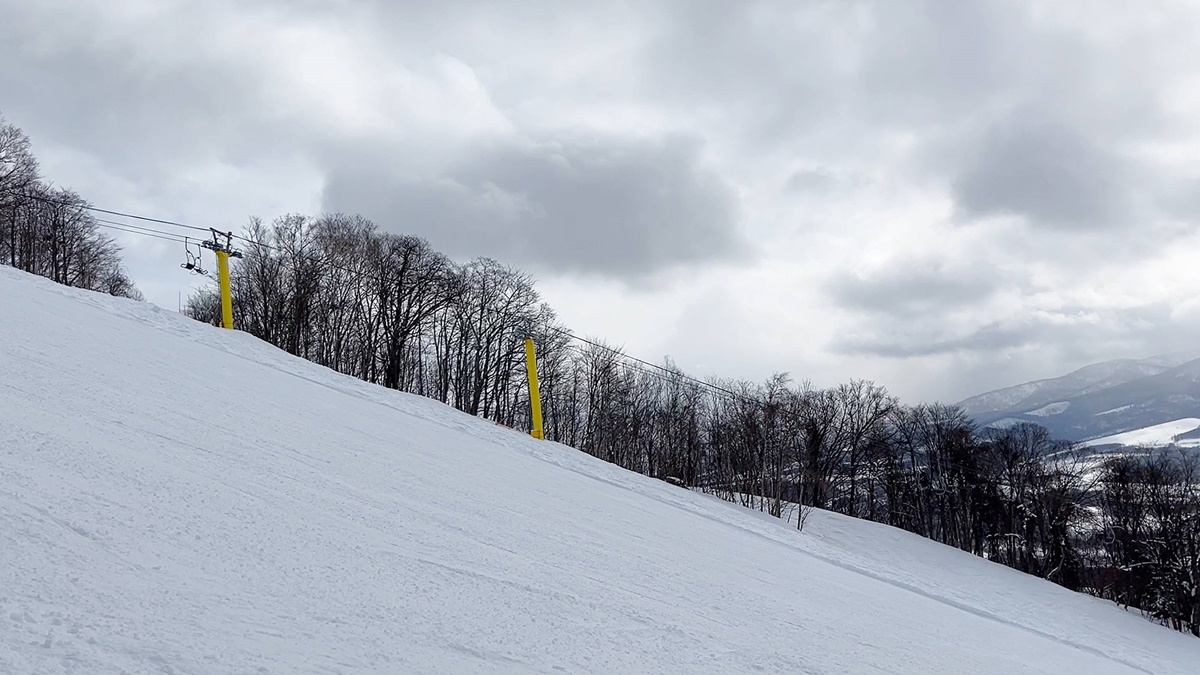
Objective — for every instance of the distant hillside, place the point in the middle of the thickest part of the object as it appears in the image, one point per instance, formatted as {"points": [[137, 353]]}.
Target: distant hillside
{"points": [[1098, 400]]}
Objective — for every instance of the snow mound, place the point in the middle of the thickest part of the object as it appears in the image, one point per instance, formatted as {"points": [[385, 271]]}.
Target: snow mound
{"points": [[179, 499], [1157, 436]]}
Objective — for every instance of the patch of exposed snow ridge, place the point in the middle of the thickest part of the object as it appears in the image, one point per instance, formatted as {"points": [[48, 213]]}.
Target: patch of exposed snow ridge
{"points": [[1005, 423], [176, 498], [1051, 409]]}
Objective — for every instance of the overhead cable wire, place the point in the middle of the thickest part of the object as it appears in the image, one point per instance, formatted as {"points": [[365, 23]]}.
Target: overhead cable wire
{"points": [[672, 377], [361, 273], [668, 371], [137, 229], [97, 209], [118, 227]]}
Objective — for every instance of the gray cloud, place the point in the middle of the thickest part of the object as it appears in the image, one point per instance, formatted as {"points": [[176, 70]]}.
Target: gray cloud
{"points": [[918, 288], [812, 181], [104, 90], [931, 60], [1075, 332], [1048, 174], [593, 205], [777, 71], [1012, 112], [991, 337]]}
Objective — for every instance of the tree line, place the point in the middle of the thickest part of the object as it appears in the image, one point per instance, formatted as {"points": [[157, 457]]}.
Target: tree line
{"points": [[389, 309], [48, 230]]}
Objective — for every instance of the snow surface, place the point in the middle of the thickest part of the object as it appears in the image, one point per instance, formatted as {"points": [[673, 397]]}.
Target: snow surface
{"points": [[1051, 409], [179, 499], [1005, 423], [1157, 436]]}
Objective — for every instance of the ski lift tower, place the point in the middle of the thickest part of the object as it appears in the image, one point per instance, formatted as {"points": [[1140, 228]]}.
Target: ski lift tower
{"points": [[224, 251]]}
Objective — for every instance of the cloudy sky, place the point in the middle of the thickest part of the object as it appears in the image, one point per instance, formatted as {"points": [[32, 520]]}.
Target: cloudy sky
{"points": [[942, 196]]}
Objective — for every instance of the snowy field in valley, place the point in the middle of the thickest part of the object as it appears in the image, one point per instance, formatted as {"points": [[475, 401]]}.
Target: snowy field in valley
{"points": [[1157, 436], [179, 499]]}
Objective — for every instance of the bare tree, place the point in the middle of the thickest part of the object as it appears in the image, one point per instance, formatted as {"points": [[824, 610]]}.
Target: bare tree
{"points": [[18, 172]]}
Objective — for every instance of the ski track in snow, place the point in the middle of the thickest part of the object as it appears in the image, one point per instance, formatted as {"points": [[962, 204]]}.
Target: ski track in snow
{"points": [[179, 499]]}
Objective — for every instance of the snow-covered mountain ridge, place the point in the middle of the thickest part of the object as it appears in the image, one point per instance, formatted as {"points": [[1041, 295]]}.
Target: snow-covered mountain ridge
{"points": [[1099, 400]]}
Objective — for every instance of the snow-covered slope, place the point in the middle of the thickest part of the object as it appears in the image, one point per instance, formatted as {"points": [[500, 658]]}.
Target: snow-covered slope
{"points": [[1157, 436], [179, 499]]}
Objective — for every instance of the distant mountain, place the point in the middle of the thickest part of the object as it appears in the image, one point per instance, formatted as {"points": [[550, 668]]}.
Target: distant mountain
{"points": [[1098, 400]]}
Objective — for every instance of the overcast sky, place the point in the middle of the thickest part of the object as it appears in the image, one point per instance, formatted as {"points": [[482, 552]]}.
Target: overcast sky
{"points": [[944, 196]]}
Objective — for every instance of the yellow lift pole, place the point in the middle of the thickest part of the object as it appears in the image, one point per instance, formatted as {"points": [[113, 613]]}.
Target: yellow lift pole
{"points": [[226, 291], [535, 396], [224, 252]]}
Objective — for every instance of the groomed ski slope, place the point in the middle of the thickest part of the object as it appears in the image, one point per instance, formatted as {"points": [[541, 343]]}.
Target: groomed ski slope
{"points": [[179, 499]]}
